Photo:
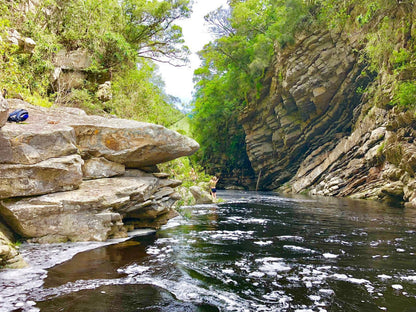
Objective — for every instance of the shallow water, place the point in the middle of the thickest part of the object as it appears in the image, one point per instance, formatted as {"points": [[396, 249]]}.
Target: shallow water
{"points": [[254, 252]]}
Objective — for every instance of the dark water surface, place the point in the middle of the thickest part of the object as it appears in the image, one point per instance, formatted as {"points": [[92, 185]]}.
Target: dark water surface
{"points": [[254, 252]]}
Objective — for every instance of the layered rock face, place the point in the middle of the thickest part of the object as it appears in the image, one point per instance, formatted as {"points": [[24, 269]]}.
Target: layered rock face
{"points": [[313, 130], [308, 105], [63, 174], [377, 161]]}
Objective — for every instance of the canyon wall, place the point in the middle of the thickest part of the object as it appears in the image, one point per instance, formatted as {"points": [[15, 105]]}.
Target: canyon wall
{"points": [[314, 131], [307, 105]]}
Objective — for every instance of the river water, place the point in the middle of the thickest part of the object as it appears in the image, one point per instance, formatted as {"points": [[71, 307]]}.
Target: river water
{"points": [[252, 252]]}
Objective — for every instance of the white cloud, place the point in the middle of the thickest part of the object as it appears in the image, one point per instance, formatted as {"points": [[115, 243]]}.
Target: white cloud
{"points": [[178, 80]]}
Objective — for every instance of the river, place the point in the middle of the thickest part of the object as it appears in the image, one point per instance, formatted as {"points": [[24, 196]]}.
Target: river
{"points": [[252, 252]]}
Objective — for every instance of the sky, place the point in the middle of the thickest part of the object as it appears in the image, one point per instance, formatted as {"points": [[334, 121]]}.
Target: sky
{"points": [[178, 80]]}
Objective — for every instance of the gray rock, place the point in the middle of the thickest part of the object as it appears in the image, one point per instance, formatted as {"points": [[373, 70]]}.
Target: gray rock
{"points": [[25, 44], [201, 196], [134, 144], [96, 168], [4, 111], [35, 141], [9, 255], [131, 143], [93, 212], [305, 107], [52, 175]]}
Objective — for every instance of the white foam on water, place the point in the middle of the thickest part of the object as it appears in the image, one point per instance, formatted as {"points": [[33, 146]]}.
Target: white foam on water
{"points": [[400, 250], [227, 235], [299, 249], [384, 277], [174, 222], [257, 274], [291, 238], [264, 243], [344, 277], [166, 240], [328, 255], [314, 297], [272, 268], [326, 292], [133, 269], [409, 278], [152, 250], [397, 286]]}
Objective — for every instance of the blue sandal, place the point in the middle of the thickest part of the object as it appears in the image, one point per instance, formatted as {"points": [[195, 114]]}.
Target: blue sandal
{"points": [[18, 115]]}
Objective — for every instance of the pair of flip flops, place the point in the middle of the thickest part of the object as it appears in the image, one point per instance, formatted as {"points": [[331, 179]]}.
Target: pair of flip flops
{"points": [[18, 115]]}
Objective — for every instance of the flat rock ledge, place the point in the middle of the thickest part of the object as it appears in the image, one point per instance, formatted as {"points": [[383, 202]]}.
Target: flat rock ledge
{"points": [[68, 176]]}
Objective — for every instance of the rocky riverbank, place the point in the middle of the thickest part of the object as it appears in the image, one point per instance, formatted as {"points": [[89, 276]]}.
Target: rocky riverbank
{"points": [[68, 176]]}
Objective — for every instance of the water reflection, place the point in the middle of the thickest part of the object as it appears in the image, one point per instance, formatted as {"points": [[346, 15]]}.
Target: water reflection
{"points": [[99, 263], [254, 252]]}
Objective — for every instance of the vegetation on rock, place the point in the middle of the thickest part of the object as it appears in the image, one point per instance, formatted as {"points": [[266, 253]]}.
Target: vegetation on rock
{"points": [[251, 33], [121, 39]]}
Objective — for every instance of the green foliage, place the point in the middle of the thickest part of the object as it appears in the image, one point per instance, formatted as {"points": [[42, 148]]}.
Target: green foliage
{"points": [[117, 35], [138, 94], [180, 169], [83, 99], [37, 99], [405, 96], [233, 68]]}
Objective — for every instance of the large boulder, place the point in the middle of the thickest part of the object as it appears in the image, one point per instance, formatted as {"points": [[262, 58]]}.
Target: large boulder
{"points": [[94, 212], [48, 162], [128, 142], [35, 141]]}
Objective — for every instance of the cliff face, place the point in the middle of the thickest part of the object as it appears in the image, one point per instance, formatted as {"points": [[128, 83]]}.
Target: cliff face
{"points": [[65, 175], [312, 129], [308, 105]]}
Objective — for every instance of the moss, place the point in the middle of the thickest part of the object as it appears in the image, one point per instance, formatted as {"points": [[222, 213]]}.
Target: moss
{"points": [[394, 153]]}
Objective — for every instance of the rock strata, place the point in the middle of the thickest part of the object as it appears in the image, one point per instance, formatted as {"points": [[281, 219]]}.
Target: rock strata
{"points": [[63, 175], [308, 104], [93, 212], [311, 131]]}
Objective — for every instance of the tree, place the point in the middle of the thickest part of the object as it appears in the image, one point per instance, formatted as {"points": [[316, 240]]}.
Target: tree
{"points": [[150, 29], [233, 66]]}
